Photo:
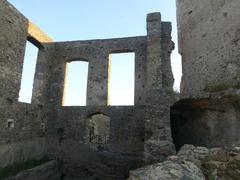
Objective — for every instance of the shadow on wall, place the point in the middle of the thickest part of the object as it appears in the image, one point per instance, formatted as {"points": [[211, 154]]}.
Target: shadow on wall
{"points": [[97, 129], [206, 122]]}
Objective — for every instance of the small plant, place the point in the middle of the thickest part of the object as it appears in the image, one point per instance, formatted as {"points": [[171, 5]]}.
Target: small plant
{"points": [[209, 170], [212, 177]]}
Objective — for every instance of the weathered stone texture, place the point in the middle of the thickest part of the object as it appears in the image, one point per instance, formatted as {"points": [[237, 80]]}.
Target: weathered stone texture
{"points": [[194, 163], [22, 125], [38, 34], [215, 163], [208, 112], [174, 170], [98, 129], [105, 142], [131, 135], [95, 141], [97, 52], [22, 151], [210, 122], [48, 171], [158, 143], [12, 44], [208, 32], [70, 142]]}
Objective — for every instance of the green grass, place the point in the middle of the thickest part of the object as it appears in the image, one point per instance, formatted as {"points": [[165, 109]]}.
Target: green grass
{"points": [[14, 169], [209, 169]]}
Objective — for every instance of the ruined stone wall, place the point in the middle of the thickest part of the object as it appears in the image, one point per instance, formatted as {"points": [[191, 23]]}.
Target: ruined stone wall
{"points": [[22, 125], [158, 142], [128, 143], [71, 141], [208, 32], [208, 122], [208, 113], [97, 52], [69, 128], [48, 171], [97, 140]]}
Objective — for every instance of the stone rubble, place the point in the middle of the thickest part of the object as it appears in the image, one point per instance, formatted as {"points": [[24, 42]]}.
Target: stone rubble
{"points": [[194, 163]]}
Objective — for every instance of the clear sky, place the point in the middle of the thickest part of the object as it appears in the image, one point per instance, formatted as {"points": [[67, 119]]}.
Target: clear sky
{"points": [[67, 20]]}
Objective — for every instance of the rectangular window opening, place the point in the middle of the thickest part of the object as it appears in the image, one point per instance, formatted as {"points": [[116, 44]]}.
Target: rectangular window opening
{"points": [[75, 85], [121, 78], [28, 72]]}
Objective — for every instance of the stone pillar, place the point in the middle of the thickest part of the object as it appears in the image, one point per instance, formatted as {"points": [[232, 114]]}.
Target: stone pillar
{"points": [[158, 142], [154, 61], [97, 81], [40, 86]]}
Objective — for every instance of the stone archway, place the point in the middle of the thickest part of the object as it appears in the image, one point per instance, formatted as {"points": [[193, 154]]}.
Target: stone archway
{"points": [[98, 127]]}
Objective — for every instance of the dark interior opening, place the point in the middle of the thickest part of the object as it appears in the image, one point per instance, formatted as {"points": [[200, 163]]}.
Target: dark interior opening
{"points": [[206, 122], [186, 127]]}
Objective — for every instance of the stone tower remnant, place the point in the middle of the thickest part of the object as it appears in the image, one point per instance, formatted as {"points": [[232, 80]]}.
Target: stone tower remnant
{"points": [[208, 114]]}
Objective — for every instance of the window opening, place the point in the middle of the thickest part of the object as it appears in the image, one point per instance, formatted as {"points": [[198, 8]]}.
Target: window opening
{"points": [[121, 79], [75, 85], [28, 72]]}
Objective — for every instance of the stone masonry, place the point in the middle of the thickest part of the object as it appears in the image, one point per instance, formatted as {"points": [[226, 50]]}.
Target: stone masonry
{"points": [[209, 35], [98, 141], [208, 112], [93, 141], [22, 136]]}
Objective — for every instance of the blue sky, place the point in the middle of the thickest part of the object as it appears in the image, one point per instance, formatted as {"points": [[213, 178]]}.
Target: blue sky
{"points": [[75, 90], [95, 19]]}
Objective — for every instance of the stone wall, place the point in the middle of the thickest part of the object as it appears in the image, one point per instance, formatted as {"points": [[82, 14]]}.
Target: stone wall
{"points": [[208, 122], [97, 52], [71, 141], [132, 128], [158, 141], [97, 140], [22, 134], [208, 32], [208, 112], [50, 171]]}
